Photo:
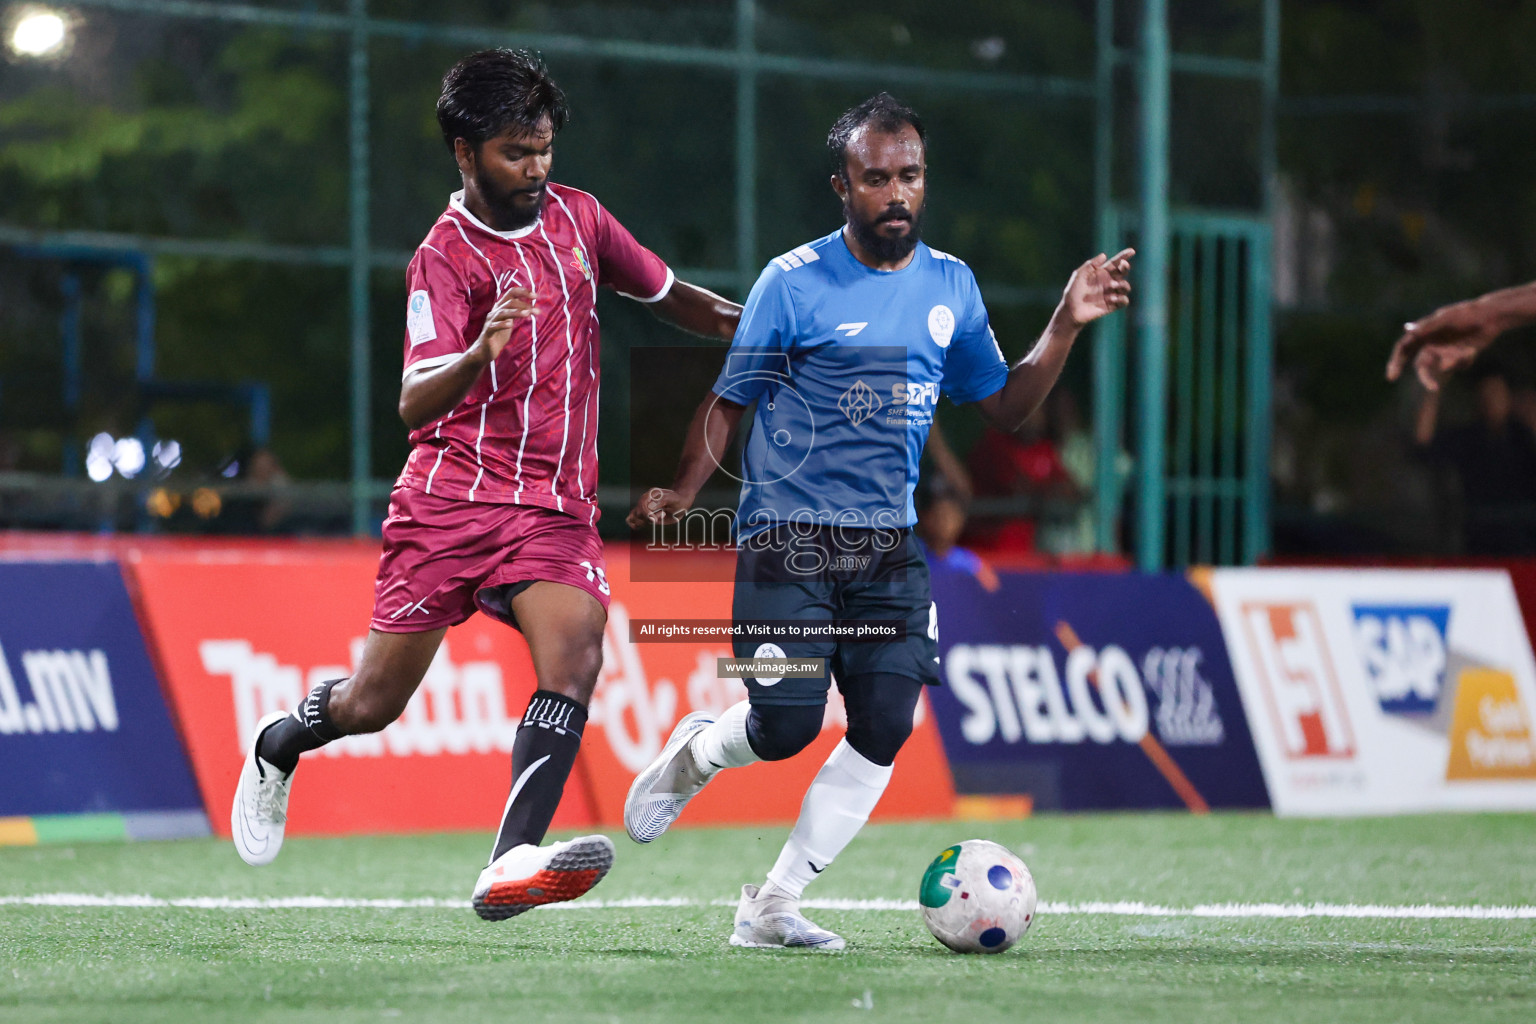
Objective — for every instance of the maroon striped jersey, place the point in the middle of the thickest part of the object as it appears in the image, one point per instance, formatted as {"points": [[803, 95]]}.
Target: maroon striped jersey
{"points": [[526, 434]]}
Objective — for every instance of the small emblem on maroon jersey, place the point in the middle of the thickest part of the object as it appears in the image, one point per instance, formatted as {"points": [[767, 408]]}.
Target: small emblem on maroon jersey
{"points": [[580, 262]]}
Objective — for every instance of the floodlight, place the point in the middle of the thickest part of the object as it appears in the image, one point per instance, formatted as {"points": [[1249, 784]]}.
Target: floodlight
{"points": [[38, 32]]}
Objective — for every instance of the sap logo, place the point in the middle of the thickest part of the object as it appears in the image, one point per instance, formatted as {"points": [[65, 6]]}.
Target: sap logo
{"points": [[915, 394], [71, 691], [1301, 689], [1403, 651], [1015, 692], [459, 709]]}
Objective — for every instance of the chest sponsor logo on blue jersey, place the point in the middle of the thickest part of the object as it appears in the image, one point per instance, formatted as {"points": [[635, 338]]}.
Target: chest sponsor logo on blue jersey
{"points": [[913, 403], [915, 394], [859, 402]]}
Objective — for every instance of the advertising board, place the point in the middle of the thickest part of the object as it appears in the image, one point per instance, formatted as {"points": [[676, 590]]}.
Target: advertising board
{"points": [[1384, 691], [1090, 691], [242, 632], [84, 728]]}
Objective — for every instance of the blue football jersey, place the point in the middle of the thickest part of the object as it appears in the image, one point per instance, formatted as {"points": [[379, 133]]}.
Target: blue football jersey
{"points": [[843, 366]]}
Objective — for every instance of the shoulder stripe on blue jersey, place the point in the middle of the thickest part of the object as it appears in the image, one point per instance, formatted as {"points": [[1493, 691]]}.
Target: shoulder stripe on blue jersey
{"points": [[946, 256], [796, 257]]}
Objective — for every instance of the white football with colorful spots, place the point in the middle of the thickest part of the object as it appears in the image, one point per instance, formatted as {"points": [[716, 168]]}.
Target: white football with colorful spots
{"points": [[977, 897]]}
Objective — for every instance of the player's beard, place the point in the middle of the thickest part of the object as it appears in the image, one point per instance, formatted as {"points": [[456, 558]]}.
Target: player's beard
{"points": [[509, 215], [882, 247]]}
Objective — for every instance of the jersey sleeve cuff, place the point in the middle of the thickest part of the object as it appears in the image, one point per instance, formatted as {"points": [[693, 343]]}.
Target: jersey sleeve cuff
{"points": [[428, 363], [977, 394], [743, 394], [666, 286]]}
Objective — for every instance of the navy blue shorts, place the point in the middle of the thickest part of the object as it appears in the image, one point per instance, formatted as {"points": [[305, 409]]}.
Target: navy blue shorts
{"points": [[835, 578]]}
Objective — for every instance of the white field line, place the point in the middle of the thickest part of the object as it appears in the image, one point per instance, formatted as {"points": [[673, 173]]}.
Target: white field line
{"points": [[1423, 912]]}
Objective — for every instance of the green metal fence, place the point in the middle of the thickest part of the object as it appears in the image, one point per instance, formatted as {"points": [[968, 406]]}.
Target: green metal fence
{"points": [[1211, 502], [758, 74], [1203, 305]]}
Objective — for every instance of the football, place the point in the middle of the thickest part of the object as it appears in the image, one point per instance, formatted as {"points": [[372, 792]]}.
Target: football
{"points": [[977, 897]]}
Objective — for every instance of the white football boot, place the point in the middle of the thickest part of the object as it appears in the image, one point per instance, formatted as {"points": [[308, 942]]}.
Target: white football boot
{"points": [[767, 918], [260, 810], [659, 794], [530, 876]]}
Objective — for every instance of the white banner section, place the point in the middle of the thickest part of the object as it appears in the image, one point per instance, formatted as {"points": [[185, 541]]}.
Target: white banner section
{"points": [[1383, 691]]}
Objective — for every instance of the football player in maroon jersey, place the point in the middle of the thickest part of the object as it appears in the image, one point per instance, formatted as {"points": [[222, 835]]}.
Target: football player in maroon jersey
{"points": [[496, 508]]}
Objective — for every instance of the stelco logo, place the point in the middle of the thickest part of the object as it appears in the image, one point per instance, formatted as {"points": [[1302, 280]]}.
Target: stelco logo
{"points": [[1021, 694], [1018, 692]]}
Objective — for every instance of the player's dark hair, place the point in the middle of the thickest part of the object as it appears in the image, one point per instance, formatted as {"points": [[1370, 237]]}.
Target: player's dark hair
{"points": [[883, 112], [493, 90]]}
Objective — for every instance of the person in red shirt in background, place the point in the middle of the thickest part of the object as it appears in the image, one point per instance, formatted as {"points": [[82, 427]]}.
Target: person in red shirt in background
{"points": [[1027, 464]]}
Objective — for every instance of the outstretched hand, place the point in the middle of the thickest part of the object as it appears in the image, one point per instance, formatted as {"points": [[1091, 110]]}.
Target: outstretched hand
{"points": [[1446, 340], [1098, 288]]}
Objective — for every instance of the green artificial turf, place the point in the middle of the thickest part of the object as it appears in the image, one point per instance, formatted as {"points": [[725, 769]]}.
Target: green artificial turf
{"points": [[127, 964]]}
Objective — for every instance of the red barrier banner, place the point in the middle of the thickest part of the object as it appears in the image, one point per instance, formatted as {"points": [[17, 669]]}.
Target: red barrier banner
{"points": [[243, 632], [239, 632], [646, 687]]}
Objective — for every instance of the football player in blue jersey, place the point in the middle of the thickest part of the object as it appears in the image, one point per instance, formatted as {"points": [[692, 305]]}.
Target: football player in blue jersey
{"points": [[843, 348]]}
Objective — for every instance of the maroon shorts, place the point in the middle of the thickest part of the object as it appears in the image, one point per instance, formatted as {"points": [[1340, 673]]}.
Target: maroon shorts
{"points": [[445, 558]]}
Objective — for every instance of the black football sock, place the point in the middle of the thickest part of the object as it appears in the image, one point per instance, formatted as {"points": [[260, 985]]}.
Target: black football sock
{"points": [[309, 727], [543, 753]]}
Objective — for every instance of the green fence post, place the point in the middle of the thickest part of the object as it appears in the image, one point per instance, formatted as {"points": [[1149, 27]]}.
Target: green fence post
{"points": [[746, 144], [1109, 335], [1152, 295], [1260, 368], [1231, 380], [1183, 485], [362, 364], [361, 320], [1206, 430]]}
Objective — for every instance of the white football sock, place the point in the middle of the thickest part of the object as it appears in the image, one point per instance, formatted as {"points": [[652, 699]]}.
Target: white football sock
{"points": [[724, 744], [835, 808]]}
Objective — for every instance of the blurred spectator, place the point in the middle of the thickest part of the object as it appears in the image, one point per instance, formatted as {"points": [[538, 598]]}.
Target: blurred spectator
{"points": [[941, 521], [257, 504], [1023, 465], [942, 494], [943, 461], [1494, 460], [1075, 533]]}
